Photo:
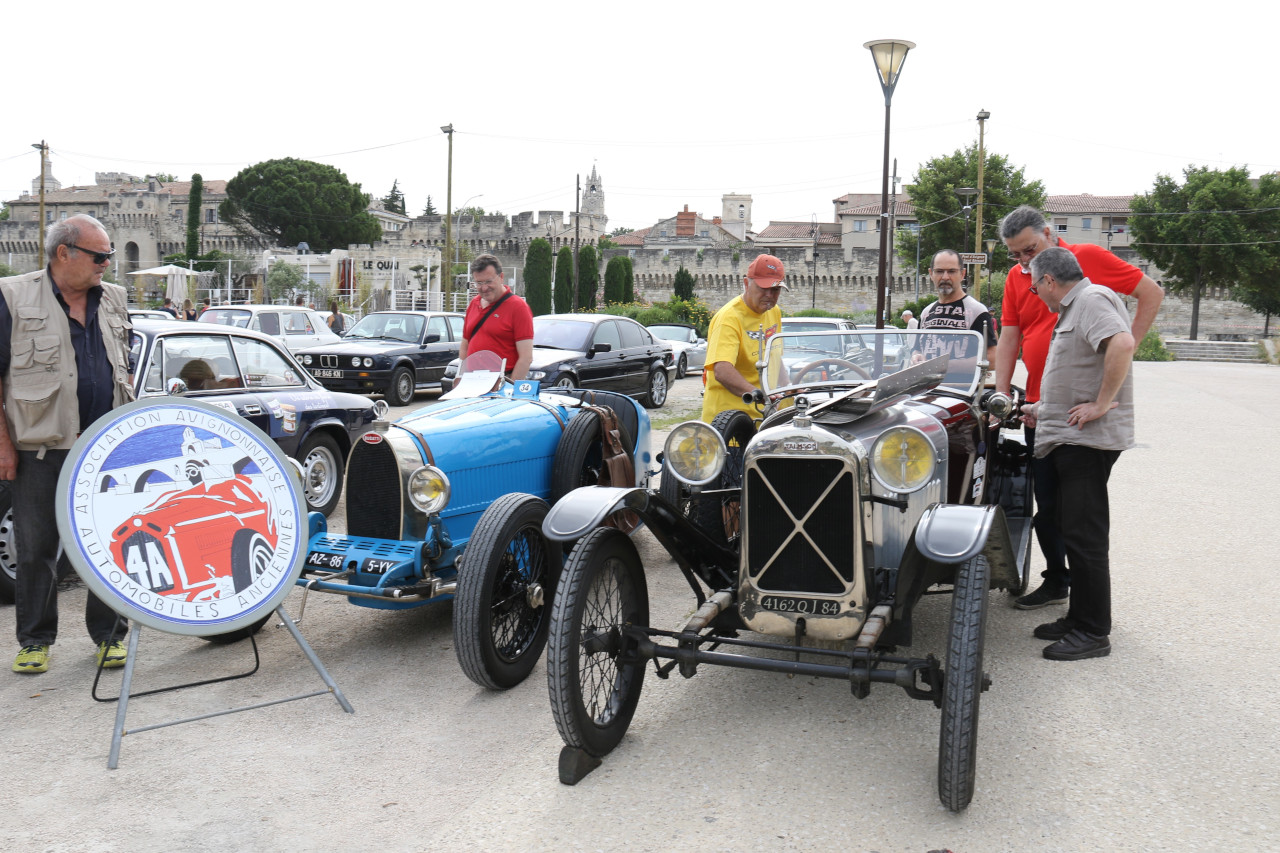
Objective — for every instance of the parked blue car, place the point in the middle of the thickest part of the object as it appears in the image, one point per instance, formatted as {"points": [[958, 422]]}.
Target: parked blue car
{"points": [[448, 502]]}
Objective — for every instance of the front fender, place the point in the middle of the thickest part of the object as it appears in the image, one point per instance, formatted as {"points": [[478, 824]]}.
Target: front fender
{"points": [[950, 534], [583, 509]]}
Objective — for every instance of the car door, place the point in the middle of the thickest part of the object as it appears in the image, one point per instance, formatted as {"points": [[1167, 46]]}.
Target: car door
{"points": [[273, 385], [268, 322], [434, 357], [603, 370], [637, 353]]}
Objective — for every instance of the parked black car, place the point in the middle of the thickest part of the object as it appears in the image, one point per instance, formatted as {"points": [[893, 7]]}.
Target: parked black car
{"points": [[393, 353], [600, 352], [254, 376]]}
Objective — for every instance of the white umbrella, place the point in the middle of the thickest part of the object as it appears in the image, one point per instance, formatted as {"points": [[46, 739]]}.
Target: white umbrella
{"points": [[176, 287]]}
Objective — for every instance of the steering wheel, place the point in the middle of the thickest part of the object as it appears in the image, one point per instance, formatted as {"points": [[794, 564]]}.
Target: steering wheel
{"points": [[799, 373]]}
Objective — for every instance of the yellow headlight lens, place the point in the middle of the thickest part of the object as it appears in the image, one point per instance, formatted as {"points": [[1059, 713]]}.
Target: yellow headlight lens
{"points": [[902, 459], [429, 489], [695, 452]]}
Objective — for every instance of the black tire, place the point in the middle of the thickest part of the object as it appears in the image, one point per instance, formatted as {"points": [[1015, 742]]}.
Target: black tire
{"points": [[323, 470], [594, 674], [580, 455], [400, 389], [682, 366], [658, 387], [962, 686], [250, 555], [563, 381], [237, 635], [8, 548], [506, 581], [718, 516]]}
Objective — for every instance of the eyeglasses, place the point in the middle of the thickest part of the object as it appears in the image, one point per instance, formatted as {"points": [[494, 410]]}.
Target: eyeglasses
{"points": [[98, 257], [1035, 285]]}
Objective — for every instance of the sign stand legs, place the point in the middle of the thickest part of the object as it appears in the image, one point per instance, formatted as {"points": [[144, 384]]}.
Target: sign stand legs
{"points": [[119, 731]]}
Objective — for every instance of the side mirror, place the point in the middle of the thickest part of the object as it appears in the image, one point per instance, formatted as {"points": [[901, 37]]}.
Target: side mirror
{"points": [[600, 348], [432, 337], [176, 387]]}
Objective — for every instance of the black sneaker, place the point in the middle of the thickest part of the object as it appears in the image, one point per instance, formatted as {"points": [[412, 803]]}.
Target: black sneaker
{"points": [[1078, 645], [1054, 630], [1042, 597]]}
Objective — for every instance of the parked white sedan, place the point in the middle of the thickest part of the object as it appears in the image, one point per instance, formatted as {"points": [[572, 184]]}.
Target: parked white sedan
{"points": [[295, 327], [690, 350]]}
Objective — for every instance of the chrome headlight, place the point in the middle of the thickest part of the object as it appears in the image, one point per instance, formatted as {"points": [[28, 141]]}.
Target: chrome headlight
{"points": [[429, 489], [536, 374], [695, 453], [902, 459], [368, 362], [306, 359], [355, 361]]}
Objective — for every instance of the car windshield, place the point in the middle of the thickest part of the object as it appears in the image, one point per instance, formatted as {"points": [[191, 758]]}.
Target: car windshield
{"points": [[845, 358], [237, 317], [682, 334], [391, 327], [562, 334]]}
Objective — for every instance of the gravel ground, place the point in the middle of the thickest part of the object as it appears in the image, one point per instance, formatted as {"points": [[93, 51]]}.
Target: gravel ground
{"points": [[1169, 744]]}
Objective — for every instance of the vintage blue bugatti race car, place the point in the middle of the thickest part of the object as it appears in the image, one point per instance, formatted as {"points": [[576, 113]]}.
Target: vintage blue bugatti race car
{"points": [[448, 502]]}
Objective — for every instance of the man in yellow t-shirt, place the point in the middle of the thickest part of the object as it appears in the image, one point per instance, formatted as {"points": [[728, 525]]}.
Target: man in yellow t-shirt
{"points": [[733, 342]]}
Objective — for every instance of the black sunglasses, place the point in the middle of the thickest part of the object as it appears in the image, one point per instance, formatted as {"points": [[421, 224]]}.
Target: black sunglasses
{"points": [[98, 257]]}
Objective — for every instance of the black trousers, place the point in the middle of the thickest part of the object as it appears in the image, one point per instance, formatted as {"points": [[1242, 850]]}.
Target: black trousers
{"points": [[1045, 483], [1084, 522]]}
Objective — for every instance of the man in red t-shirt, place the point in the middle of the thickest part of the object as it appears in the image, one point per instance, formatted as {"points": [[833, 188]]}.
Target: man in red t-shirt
{"points": [[508, 330], [1027, 326]]}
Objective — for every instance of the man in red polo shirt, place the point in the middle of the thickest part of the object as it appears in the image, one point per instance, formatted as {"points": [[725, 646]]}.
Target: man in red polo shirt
{"points": [[507, 330], [1027, 326]]}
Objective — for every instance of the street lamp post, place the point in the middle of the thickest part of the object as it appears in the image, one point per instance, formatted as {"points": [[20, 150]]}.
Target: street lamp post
{"points": [[44, 154], [448, 208], [813, 235], [888, 56], [967, 193], [991, 267]]}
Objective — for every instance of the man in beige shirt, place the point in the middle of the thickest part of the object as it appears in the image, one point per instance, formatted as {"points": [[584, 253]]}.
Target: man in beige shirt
{"points": [[1084, 419]]}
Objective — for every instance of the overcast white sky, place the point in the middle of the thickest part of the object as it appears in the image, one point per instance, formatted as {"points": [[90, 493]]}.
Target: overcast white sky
{"points": [[676, 103]]}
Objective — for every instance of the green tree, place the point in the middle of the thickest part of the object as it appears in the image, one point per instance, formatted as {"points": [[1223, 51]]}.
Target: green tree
{"points": [[430, 209], [393, 202], [295, 201], [6, 270], [537, 276], [195, 201], [630, 284], [165, 177], [4, 211], [588, 277], [615, 280], [683, 284], [618, 232], [1213, 230], [282, 281], [564, 281], [940, 211]]}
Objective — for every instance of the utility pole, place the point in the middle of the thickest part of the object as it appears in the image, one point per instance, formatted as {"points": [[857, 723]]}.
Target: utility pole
{"points": [[893, 232], [44, 159], [983, 115], [577, 225]]}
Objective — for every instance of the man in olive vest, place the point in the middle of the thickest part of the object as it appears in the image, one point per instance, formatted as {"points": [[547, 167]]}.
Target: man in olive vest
{"points": [[64, 363]]}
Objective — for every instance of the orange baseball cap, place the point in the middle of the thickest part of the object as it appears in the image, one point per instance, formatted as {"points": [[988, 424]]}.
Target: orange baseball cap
{"points": [[767, 271]]}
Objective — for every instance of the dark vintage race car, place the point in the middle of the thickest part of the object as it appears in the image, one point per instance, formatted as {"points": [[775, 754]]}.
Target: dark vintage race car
{"points": [[816, 535], [448, 502]]}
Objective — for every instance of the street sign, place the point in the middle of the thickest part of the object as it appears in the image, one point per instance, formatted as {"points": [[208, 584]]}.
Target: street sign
{"points": [[968, 258]]}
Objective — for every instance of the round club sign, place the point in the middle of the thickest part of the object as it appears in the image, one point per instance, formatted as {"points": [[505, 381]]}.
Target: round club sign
{"points": [[183, 516]]}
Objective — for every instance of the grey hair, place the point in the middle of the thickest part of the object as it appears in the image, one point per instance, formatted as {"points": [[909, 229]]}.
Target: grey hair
{"points": [[67, 232], [483, 262], [1059, 263], [1019, 220], [934, 263]]}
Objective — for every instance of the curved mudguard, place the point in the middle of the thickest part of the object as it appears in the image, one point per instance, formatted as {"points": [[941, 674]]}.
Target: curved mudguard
{"points": [[949, 534], [582, 510]]}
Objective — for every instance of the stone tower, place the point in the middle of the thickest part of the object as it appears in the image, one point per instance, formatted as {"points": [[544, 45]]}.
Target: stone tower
{"points": [[736, 214], [593, 197]]}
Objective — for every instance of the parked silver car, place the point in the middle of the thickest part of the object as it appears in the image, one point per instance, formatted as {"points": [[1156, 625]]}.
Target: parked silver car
{"points": [[690, 350]]}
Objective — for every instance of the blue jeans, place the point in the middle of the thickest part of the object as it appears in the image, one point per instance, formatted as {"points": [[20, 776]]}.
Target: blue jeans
{"points": [[1044, 481], [35, 534], [1084, 520]]}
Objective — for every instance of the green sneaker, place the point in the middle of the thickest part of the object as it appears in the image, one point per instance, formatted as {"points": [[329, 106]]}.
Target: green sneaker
{"points": [[111, 655], [32, 659]]}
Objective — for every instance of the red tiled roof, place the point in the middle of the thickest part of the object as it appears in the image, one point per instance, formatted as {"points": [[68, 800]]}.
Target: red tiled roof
{"points": [[799, 230], [1085, 203], [631, 238], [868, 204]]}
